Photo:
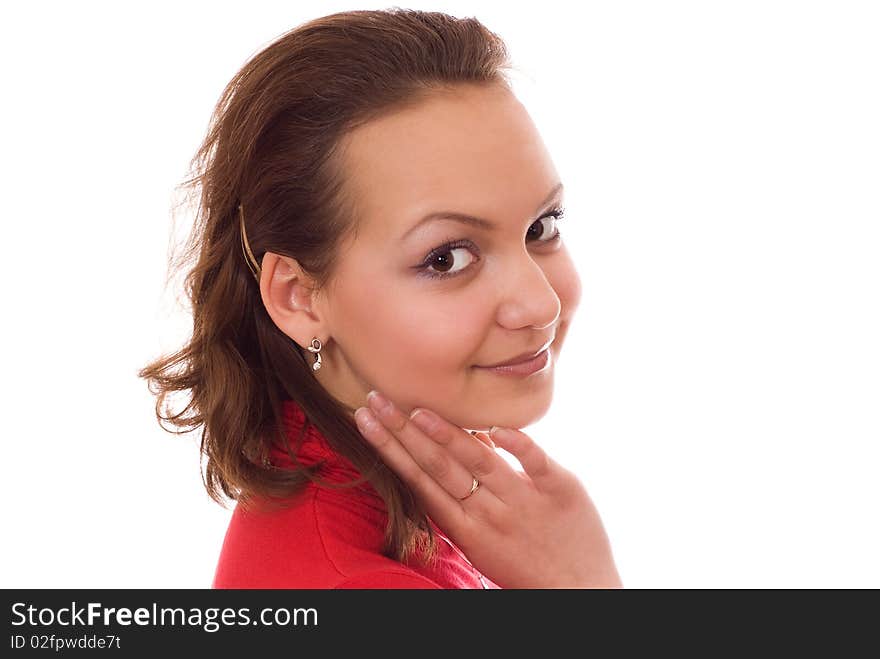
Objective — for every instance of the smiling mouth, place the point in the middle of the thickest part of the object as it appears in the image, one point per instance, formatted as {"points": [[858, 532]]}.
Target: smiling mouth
{"points": [[538, 363], [521, 359]]}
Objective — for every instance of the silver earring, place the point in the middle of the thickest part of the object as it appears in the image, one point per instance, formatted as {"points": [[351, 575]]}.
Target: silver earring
{"points": [[316, 349]]}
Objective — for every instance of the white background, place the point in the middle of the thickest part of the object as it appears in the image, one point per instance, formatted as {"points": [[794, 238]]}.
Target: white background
{"points": [[718, 392]]}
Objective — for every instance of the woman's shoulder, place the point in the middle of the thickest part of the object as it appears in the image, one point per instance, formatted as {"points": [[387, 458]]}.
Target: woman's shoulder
{"points": [[319, 539]]}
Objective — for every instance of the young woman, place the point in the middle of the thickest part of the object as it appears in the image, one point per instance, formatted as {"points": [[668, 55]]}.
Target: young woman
{"points": [[378, 213]]}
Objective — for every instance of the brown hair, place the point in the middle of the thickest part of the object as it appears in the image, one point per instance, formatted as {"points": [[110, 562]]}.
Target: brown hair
{"points": [[272, 147]]}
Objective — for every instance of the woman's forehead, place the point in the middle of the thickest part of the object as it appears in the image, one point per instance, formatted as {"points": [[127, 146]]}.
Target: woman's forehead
{"points": [[464, 152]]}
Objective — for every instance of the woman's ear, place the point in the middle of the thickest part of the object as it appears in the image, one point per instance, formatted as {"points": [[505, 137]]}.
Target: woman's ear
{"points": [[288, 294]]}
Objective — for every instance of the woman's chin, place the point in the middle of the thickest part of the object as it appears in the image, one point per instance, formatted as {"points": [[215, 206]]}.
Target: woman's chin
{"points": [[510, 414]]}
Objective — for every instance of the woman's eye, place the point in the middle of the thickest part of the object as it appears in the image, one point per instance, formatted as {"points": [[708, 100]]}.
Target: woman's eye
{"points": [[539, 231], [449, 262], [450, 259]]}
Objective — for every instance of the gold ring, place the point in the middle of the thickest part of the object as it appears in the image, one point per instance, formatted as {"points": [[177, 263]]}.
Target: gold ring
{"points": [[474, 487]]}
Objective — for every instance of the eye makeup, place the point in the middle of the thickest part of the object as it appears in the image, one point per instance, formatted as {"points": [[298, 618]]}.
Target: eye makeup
{"points": [[444, 250]]}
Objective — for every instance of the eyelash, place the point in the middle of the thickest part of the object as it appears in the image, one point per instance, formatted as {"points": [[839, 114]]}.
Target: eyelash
{"points": [[556, 213]]}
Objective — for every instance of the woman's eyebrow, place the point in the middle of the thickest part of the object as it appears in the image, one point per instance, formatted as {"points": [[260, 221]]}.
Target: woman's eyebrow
{"points": [[476, 221]]}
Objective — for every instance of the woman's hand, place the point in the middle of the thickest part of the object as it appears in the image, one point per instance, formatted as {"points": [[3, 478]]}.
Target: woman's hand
{"points": [[531, 529]]}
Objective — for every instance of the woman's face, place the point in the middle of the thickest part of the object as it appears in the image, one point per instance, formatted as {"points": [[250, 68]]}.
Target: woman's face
{"points": [[502, 290]]}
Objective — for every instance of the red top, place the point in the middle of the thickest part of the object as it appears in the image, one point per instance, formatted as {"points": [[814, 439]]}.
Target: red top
{"points": [[328, 538]]}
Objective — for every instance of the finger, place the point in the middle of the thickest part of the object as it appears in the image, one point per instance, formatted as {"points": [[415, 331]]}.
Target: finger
{"points": [[440, 505], [536, 463], [476, 456], [438, 462]]}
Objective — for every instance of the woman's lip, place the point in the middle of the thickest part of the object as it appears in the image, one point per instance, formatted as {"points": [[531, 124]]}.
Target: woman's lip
{"points": [[526, 357], [536, 363]]}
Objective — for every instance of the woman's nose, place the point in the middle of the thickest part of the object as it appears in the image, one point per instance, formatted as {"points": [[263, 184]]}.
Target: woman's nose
{"points": [[531, 300]]}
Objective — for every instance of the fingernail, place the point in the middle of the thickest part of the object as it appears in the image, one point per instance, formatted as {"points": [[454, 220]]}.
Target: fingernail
{"points": [[483, 437], [495, 429], [424, 419], [377, 401], [364, 419]]}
